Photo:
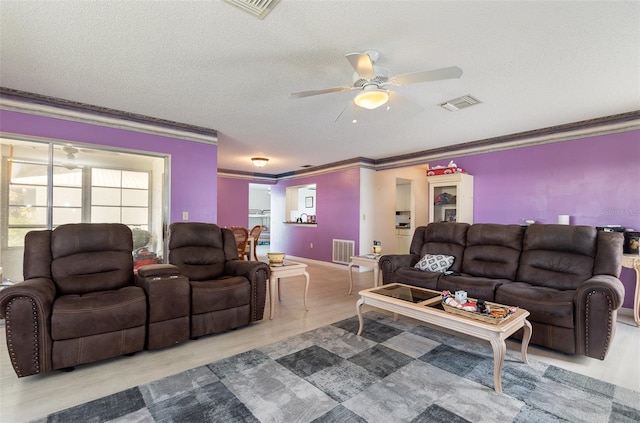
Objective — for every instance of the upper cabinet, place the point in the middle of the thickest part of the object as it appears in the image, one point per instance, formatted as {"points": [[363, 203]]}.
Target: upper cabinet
{"points": [[403, 197], [451, 198]]}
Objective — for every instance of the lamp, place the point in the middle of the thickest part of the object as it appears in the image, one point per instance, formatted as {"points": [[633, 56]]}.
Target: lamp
{"points": [[371, 98], [259, 161]]}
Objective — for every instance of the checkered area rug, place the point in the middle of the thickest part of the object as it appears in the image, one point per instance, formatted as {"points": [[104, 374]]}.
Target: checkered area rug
{"points": [[396, 371]]}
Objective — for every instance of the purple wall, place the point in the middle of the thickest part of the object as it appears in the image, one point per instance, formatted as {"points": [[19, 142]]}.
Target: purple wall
{"points": [[337, 211], [193, 164], [233, 202], [594, 180]]}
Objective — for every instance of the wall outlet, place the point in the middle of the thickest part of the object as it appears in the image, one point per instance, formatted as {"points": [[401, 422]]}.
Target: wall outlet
{"points": [[311, 245], [185, 215]]}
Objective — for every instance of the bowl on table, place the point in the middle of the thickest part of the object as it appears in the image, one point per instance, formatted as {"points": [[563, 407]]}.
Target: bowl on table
{"points": [[276, 259]]}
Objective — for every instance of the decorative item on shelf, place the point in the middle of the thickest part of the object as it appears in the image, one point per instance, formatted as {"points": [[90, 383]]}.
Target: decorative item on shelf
{"points": [[376, 247], [444, 170], [445, 198], [276, 259]]}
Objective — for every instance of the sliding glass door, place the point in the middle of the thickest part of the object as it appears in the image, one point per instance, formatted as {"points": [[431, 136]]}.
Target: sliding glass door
{"points": [[47, 184]]}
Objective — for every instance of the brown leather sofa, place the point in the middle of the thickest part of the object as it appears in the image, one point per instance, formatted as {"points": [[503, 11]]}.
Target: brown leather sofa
{"points": [[80, 301], [565, 276], [226, 293]]}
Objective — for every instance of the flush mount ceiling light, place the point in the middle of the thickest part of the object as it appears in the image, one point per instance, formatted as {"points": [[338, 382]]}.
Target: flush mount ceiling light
{"points": [[371, 98], [259, 161]]}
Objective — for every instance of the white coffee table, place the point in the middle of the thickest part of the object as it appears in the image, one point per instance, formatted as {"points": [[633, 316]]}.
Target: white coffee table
{"points": [[419, 303], [289, 268], [365, 261]]}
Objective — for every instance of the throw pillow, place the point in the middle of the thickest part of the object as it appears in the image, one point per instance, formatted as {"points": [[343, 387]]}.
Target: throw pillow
{"points": [[435, 263]]}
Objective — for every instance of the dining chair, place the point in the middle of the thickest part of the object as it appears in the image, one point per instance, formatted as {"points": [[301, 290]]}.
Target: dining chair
{"points": [[255, 234], [241, 235]]}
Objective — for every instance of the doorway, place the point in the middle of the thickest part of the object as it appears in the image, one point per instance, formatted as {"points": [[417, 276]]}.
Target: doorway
{"points": [[405, 206]]}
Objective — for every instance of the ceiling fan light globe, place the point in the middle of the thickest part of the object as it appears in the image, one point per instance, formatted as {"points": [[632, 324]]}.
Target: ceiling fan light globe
{"points": [[371, 99]]}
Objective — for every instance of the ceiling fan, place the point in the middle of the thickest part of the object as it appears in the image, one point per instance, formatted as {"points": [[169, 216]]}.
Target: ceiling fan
{"points": [[374, 82]]}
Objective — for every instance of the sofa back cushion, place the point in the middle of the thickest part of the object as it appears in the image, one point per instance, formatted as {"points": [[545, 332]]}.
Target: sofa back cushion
{"points": [[557, 256], [493, 250], [90, 257], [198, 249], [441, 238]]}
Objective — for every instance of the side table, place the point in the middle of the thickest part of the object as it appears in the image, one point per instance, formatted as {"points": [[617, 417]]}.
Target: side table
{"points": [[371, 260], [633, 262], [288, 269]]}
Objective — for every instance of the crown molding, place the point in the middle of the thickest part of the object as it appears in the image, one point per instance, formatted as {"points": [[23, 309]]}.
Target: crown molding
{"points": [[20, 101], [623, 122], [36, 104]]}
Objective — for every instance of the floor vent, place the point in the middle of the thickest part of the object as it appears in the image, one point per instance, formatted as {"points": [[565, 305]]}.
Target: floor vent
{"points": [[259, 8], [343, 250], [460, 103]]}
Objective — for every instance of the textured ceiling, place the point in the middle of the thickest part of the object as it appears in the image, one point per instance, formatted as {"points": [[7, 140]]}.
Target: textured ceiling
{"points": [[206, 63]]}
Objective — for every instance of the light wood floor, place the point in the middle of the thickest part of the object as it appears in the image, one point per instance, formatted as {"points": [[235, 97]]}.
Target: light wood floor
{"points": [[328, 300]]}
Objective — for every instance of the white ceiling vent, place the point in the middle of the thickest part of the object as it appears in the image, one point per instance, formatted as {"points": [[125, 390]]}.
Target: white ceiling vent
{"points": [[460, 103], [258, 8]]}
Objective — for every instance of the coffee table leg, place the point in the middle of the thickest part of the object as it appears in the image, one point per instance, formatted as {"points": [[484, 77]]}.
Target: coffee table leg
{"points": [[526, 337], [306, 288], [350, 278], [499, 352], [359, 310]]}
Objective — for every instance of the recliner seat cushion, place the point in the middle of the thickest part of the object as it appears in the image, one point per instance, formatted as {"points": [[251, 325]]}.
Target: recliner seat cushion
{"points": [[76, 316], [219, 294], [548, 305]]}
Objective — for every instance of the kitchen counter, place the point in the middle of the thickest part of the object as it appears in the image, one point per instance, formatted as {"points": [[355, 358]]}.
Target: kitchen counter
{"points": [[301, 224]]}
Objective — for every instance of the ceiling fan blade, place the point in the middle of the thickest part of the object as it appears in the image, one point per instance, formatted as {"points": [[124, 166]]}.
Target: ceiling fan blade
{"points": [[362, 63], [318, 92], [425, 76]]}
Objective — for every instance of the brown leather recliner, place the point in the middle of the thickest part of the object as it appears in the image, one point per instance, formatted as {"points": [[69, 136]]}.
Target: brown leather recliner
{"points": [[226, 292], [77, 303]]}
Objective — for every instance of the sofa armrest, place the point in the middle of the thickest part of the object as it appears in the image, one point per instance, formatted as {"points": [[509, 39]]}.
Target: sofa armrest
{"points": [[168, 304], [597, 301], [389, 263], [158, 271], [26, 308], [258, 274]]}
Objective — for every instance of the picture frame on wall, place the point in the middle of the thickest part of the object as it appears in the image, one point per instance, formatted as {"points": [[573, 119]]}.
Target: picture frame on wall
{"points": [[308, 202]]}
